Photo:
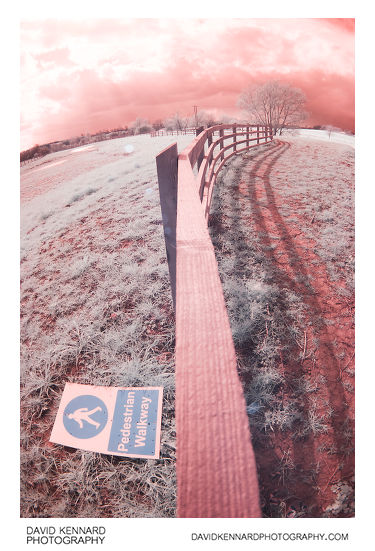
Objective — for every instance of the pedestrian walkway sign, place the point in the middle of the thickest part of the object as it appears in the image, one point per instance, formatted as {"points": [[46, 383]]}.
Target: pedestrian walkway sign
{"points": [[114, 420]]}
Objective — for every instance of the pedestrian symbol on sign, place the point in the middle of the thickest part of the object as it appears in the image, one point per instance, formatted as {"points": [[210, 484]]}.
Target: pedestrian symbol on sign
{"points": [[85, 416]]}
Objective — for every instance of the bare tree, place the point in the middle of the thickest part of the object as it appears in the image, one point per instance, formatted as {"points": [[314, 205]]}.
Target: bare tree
{"points": [[199, 118], [227, 119], [140, 126], [273, 104], [176, 122], [211, 120], [158, 124], [202, 118]]}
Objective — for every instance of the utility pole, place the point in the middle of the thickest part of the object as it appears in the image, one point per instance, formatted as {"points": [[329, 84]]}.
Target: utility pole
{"points": [[196, 115]]}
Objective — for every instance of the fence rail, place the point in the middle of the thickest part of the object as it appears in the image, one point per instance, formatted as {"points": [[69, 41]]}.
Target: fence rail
{"points": [[210, 154], [216, 473]]}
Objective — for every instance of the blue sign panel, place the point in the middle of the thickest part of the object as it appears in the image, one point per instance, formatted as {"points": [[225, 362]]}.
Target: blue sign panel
{"points": [[134, 425], [85, 416]]}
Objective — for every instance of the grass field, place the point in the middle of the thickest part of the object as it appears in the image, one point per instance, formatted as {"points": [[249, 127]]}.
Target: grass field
{"points": [[283, 228], [95, 308]]}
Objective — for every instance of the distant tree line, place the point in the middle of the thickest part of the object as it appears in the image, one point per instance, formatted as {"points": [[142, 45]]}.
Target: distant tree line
{"points": [[34, 152], [41, 150], [139, 126], [176, 122]]}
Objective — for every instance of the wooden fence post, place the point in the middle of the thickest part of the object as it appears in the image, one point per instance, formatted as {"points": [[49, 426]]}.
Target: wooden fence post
{"points": [[221, 133], [166, 163], [235, 138], [201, 154], [257, 133]]}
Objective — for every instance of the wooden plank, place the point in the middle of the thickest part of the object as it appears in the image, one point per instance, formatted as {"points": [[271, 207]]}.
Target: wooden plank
{"points": [[216, 473], [166, 163]]}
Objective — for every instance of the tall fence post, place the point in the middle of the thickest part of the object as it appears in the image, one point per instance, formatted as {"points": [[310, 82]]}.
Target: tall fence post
{"points": [[247, 135], [221, 133], [257, 133], [235, 138], [209, 143], [201, 154], [166, 163]]}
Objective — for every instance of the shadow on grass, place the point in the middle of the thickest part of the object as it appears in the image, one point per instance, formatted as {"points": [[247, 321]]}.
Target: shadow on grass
{"points": [[297, 489]]}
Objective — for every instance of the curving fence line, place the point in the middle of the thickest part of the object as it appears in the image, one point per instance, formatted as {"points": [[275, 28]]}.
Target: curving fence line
{"points": [[216, 472]]}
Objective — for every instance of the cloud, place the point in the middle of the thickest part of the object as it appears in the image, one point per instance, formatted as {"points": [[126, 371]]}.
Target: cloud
{"points": [[57, 56], [91, 75], [341, 23]]}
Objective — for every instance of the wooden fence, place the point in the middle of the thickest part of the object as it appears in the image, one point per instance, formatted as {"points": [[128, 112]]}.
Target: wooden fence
{"points": [[164, 132], [216, 472]]}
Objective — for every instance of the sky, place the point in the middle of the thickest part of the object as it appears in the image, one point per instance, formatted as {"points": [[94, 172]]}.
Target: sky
{"points": [[80, 76]]}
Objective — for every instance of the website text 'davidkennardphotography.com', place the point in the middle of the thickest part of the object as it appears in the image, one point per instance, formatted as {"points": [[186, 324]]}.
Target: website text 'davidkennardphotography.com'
{"points": [[269, 536]]}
